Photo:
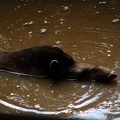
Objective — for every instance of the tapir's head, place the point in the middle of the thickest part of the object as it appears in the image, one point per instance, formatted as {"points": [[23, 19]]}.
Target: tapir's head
{"points": [[101, 74], [95, 73], [64, 66], [84, 72]]}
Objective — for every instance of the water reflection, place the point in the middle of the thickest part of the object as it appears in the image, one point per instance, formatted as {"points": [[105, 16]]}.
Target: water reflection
{"points": [[32, 94]]}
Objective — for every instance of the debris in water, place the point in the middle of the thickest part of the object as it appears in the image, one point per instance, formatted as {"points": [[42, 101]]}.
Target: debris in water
{"points": [[115, 20], [57, 31], [69, 28], [11, 93], [20, 40], [39, 11], [30, 34], [109, 51], [28, 23], [28, 95], [61, 23], [8, 28], [46, 22], [43, 30], [17, 86], [66, 8], [102, 2], [70, 105], [37, 106], [58, 42]]}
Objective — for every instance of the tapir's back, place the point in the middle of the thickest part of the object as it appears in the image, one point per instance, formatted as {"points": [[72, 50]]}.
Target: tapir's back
{"points": [[34, 60], [3, 57], [23, 61]]}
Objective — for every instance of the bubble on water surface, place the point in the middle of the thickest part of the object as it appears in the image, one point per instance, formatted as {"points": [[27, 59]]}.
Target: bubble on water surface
{"points": [[43, 30], [18, 86], [20, 40], [61, 23], [102, 2], [108, 55], [45, 21], [69, 28], [115, 20], [37, 106], [83, 58], [39, 11], [28, 23], [30, 34], [28, 95], [70, 105], [11, 93], [97, 12], [52, 91], [8, 28], [109, 51], [58, 42], [57, 31], [66, 7]]}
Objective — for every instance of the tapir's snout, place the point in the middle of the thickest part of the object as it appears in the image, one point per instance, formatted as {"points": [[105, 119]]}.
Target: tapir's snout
{"points": [[97, 73], [102, 74], [112, 75]]}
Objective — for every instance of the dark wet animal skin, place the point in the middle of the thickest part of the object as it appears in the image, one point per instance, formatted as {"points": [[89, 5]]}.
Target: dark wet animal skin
{"points": [[52, 62]]}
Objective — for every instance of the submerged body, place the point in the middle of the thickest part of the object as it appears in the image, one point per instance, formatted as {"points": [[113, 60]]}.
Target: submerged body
{"points": [[52, 62]]}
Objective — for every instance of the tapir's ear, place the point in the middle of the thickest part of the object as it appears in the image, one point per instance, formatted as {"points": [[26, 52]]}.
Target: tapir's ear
{"points": [[54, 67], [55, 46]]}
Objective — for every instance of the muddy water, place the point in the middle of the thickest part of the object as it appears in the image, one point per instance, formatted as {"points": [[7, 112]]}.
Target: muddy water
{"points": [[87, 30]]}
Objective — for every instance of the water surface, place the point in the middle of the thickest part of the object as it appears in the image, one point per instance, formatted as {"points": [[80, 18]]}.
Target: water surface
{"points": [[87, 30]]}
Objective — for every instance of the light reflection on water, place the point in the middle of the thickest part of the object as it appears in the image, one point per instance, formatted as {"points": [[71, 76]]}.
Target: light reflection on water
{"points": [[78, 98], [88, 31]]}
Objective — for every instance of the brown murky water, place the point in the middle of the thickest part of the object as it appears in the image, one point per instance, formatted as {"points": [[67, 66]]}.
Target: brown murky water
{"points": [[87, 30]]}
